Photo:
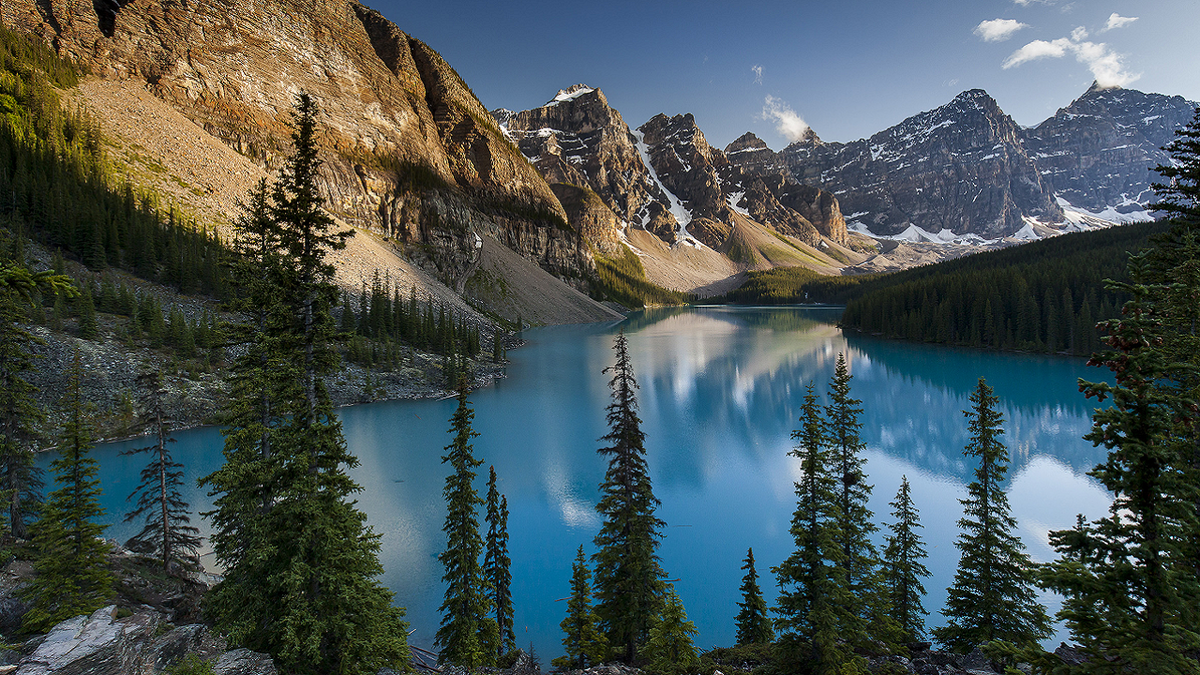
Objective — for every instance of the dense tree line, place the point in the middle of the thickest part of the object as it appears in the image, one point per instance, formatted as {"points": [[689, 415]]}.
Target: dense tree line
{"points": [[385, 327], [1046, 296]]}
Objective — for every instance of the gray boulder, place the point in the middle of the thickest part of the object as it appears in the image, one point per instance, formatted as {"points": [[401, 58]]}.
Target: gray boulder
{"points": [[173, 646], [99, 644], [244, 662]]}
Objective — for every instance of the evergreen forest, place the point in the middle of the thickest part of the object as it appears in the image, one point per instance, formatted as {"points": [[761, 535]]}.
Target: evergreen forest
{"points": [[1045, 296]]}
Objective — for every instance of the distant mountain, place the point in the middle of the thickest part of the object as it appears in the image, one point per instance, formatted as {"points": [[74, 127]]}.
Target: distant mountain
{"points": [[664, 179], [965, 171], [961, 167], [1099, 153], [578, 139]]}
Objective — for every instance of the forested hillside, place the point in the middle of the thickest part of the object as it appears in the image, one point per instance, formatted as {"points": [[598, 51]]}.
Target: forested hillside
{"points": [[1046, 296], [153, 283], [58, 190]]}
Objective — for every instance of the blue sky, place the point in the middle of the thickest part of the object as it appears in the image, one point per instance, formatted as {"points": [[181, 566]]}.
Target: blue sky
{"points": [[847, 69]]}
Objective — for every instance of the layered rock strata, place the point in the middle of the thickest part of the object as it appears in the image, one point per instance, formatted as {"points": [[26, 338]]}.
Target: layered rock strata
{"points": [[409, 151]]}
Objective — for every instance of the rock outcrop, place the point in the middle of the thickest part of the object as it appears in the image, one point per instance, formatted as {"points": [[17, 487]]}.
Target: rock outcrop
{"points": [[410, 152], [102, 644], [961, 167], [1099, 153]]}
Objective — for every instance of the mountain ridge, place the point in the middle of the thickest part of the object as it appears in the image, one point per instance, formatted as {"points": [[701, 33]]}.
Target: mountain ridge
{"points": [[664, 179]]}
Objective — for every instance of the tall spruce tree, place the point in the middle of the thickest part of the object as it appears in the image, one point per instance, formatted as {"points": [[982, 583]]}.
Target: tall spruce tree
{"points": [[993, 595], [903, 568], [68, 554], [753, 623], [628, 575], [464, 636], [244, 489], [301, 563], [585, 645], [20, 415], [167, 531], [814, 603], [868, 601], [496, 565], [1129, 581]]}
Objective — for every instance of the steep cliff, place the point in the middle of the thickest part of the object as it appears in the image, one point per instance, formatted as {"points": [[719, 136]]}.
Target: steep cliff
{"points": [[665, 179], [1099, 152], [410, 152], [578, 139]]}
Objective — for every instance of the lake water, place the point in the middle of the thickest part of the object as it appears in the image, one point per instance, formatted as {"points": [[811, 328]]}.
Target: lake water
{"points": [[720, 394]]}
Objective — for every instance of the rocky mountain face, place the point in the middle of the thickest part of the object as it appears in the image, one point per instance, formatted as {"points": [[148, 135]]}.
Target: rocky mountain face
{"points": [[771, 195], [1099, 152], [578, 139], [961, 167], [410, 152], [663, 177]]}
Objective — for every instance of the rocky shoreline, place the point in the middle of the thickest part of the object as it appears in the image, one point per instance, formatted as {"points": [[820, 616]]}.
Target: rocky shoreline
{"points": [[196, 397]]}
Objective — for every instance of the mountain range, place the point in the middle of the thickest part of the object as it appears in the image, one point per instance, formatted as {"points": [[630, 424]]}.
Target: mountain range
{"points": [[513, 210]]}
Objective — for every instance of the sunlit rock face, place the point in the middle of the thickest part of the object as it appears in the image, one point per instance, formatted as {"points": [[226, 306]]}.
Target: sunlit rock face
{"points": [[408, 149], [664, 177]]}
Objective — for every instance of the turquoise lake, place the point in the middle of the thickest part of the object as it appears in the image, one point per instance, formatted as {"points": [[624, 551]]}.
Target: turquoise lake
{"points": [[720, 394]]}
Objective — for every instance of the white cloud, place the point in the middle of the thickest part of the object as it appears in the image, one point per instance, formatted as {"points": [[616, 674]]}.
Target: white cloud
{"points": [[757, 70], [1106, 66], [1118, 21], [787, 122], [998, 30], [1038, 49]]}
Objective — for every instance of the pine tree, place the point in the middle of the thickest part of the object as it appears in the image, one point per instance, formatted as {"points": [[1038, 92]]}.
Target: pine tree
{"points": [[585, 645], [902, 566], [629, 577], [68, 553], [20, 415], [89, 329], [1132, 595], [463, 635], [245, 487], [860, 561], [993, 596], [670, 649], [814, 603], [496, 565], [167, 531], [753, 624], [300, 560]]}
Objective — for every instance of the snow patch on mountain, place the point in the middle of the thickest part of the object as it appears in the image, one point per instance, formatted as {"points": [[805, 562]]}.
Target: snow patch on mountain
{"points": [[733, 200], [1109, 215], [915, 234], [682, 215], [570, 94], [1027, 233]]}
